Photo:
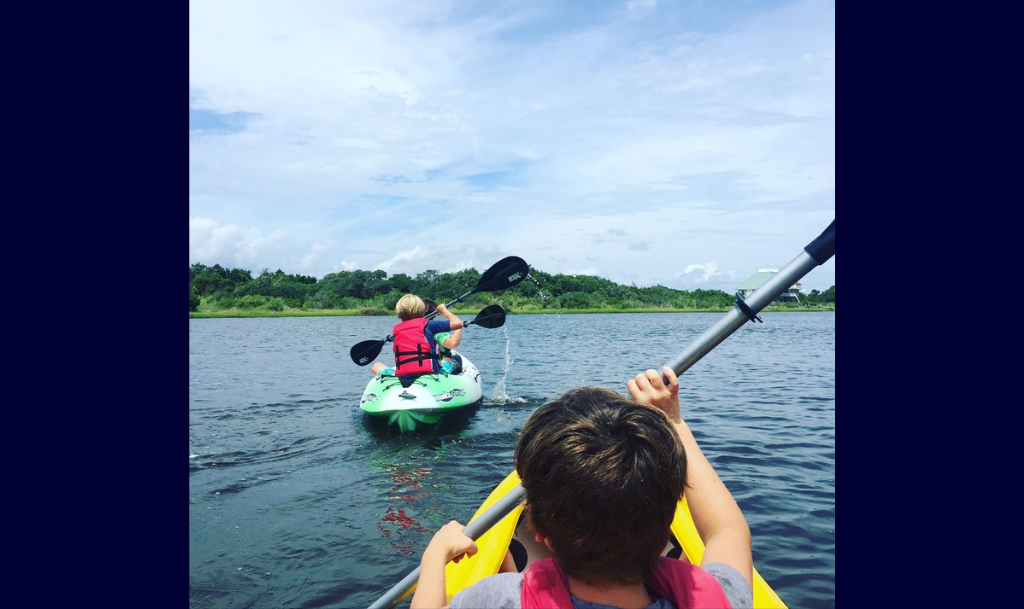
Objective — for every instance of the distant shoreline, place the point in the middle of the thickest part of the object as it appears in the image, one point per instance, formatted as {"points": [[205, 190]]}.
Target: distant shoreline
{"points": [[468, 314]]}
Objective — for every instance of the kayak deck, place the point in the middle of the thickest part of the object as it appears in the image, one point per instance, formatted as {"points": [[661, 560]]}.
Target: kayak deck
{"points": [[408, 404]]}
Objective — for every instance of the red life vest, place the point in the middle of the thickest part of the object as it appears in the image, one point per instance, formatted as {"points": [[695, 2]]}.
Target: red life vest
{"points": [[686, 585], [412, 351]]}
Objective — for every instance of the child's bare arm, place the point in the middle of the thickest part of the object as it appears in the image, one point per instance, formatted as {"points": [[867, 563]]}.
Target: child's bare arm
{"points": [[717, 516], [453, 339], [449, 543], [456, 323]]}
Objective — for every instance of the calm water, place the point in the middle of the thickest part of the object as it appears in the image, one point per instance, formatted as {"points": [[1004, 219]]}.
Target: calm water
{"points": [[297, 500]]}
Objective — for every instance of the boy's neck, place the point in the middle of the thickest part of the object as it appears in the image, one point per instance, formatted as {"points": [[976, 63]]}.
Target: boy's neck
{"points": [[631, 596]]}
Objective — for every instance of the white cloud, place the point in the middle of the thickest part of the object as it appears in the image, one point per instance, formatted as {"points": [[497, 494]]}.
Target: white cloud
{"points": [[229, 245], [707, 270], [400, 259], [445, 135]]}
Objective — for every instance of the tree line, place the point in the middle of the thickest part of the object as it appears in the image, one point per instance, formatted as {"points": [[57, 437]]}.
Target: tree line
{"points": [[375, 293]]}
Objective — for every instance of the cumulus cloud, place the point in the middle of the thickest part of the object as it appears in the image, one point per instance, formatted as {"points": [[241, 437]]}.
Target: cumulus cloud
{"points": [[706, 271], [402, 260], [229, 245]]}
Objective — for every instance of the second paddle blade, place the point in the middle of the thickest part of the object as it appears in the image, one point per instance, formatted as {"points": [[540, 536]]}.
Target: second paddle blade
{"points": [[491, 317]]}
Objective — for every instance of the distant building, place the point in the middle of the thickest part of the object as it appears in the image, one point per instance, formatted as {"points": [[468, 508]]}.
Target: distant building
{"points": [[760, 278]]}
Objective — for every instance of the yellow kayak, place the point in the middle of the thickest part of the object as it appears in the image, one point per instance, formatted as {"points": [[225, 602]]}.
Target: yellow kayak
{"points": [[495, 542]]}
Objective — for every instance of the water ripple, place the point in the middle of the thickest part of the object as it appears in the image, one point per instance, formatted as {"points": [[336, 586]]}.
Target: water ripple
{"points": [[297, 499]]}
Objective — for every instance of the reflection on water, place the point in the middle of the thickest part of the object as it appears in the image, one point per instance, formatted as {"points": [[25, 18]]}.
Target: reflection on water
{"points": [[408, 489]]}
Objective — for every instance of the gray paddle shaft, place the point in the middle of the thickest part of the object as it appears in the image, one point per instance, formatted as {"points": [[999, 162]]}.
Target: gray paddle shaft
{"points": [[816, 253], [735, 318]]}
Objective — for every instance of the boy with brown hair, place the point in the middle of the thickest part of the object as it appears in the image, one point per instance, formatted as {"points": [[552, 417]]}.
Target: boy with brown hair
{"points": [[602, 476], [451, 363]]}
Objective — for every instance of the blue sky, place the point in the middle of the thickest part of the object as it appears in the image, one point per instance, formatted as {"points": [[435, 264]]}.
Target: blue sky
{"points": [[686, 144]]}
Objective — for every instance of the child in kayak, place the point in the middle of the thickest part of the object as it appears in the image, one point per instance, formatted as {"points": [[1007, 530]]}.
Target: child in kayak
{"points": [[446, 341], [602, 476], [414, 345]]}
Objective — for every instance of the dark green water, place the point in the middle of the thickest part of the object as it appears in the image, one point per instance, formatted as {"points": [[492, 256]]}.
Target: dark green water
{"points": [[297, 500]]}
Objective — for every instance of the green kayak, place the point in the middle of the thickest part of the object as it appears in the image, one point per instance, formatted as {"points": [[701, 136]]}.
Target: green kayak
{"points": [[425, 400]]}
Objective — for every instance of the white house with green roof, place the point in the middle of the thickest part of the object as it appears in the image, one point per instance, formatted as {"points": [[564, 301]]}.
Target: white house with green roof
{"points": [[760, 278]]}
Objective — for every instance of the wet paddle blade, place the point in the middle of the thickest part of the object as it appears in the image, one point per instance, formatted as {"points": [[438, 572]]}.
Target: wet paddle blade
{"points": [[504, 274], [491, 317]]}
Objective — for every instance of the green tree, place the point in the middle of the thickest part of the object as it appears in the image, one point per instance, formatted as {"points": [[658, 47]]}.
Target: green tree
{"points": [[425, 279], [374, 293], [401, 282], [828, 296], [574, 300]]}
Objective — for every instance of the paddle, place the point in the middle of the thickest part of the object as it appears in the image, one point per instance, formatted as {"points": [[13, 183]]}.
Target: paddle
{"points": [[504, 274], [491, 317], [816, 253]]}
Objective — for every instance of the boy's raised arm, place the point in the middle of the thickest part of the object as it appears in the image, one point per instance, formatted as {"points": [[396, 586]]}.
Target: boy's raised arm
{"points": [[717, 516]]}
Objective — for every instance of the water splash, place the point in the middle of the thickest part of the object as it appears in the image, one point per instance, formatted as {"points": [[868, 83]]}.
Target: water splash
{"points": [[499, 396], [544, 295]]}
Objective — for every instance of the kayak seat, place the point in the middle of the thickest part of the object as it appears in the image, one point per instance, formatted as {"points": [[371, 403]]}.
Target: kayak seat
{"points": [[676, 550], [519, 554], [408, 379]]}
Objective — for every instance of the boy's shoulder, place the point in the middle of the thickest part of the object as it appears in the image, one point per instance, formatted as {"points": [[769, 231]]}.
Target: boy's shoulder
{"points": [[735, 586], [500, 591]]}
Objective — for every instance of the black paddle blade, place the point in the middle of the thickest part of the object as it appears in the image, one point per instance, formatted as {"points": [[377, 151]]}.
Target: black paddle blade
{"points": [[491, 317], [504, 274], [363, 353]]}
